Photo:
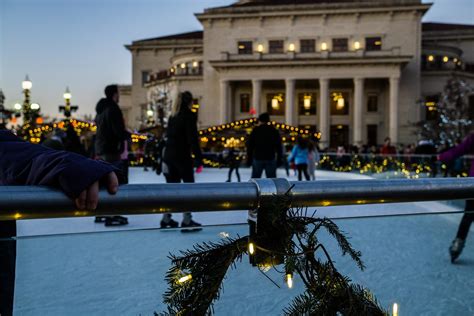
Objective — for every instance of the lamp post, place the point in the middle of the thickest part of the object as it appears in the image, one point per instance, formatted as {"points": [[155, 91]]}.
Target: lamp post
{"points": [[67, 109], [26, 85]]}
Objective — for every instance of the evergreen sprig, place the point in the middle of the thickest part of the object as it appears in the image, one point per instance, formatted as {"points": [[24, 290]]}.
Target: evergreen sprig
{"points": [[282, 232]]}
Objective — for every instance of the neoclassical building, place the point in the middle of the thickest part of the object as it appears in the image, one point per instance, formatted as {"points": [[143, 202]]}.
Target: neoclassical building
{"points": [[355, 70]]}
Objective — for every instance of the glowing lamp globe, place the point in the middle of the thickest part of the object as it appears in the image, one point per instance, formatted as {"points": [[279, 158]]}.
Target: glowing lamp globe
{"points": [[26, 84]]}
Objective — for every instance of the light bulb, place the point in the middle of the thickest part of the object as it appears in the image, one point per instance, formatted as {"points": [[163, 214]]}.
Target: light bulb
{"points": [[17, 106], [35, 106], [289, 280], [291, 47], [260, 48], [324, 46], [186, 278], [251, 248], [149, 113], [395, 309], [356, 45]]}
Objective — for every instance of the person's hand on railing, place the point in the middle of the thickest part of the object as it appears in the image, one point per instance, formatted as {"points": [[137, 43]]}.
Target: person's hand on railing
{"points": [[89, 198]]}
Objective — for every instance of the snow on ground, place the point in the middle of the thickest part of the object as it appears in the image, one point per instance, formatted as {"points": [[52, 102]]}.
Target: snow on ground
{"points": [[122, 272]]}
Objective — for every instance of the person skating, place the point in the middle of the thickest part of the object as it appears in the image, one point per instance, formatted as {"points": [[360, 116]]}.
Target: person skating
{"points": [[181, 143], [313, 159], [299, 155], [264, 149], [465, 148], [22, 163], [110, 141], [232, 158]]}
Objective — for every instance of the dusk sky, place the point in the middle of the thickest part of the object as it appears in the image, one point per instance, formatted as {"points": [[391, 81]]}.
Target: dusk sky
{"points": [[79, 43]]}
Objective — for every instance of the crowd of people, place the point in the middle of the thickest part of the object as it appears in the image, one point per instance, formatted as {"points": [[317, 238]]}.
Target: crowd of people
{"points": [[62, 162]]}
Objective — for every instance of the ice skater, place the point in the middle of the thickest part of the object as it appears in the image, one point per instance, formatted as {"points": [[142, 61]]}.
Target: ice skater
{"points": [[181, 143], [466, 147]]}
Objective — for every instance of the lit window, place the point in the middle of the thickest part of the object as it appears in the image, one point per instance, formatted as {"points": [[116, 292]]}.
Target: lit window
{"points": [[276, 103], [307, 103], [339, 103], [245, 47], [373, 43]]}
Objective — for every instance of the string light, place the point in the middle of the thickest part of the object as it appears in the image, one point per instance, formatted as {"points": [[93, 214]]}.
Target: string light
{"points": [[289, 280], [185, 278], [395, 309], [251, 248]]}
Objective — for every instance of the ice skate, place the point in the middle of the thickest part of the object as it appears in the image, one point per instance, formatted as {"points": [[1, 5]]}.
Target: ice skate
{"points": [[456, 248]]}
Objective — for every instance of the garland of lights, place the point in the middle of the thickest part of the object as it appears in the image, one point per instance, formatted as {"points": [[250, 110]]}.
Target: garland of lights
{"points": [[34, 134], [281, 237]]}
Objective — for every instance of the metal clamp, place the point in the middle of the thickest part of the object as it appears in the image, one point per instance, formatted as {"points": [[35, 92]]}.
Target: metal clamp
{"points": [[267, 191]]}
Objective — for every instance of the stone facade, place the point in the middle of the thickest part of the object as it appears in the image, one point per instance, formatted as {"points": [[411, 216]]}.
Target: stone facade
{"points": [[351, 69]]}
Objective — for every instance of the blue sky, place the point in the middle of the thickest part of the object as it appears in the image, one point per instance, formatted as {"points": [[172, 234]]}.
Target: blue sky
{"points": [[79, 43]]}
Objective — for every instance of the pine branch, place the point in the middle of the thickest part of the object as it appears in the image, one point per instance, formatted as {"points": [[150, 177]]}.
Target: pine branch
{"points": [[207, 264]]}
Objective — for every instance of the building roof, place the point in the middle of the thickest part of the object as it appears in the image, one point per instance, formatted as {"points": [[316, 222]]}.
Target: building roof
{"points": [[179, 36], [284, 2], [433, 27]]}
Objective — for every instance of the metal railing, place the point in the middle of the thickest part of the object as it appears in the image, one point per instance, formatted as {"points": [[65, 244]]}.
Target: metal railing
{"points": [[29, 202]]}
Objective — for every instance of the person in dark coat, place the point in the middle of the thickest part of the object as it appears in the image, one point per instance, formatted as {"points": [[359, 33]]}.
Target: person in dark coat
{"points": [[22, 163], [264, 150], [465, 148], [232, 159], [182, 141], [110, 140], [72, 142]]}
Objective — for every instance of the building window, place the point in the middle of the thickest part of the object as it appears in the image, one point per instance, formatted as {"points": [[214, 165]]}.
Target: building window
{"points": [[340, 45], [244, 103], [339, 136], [276, 103], [308, 46], [372, 134], [372, 103], [276, 47], [431, 107], [373, 43], [245, 48], [339, 103], [145, 74], [307, 103]]}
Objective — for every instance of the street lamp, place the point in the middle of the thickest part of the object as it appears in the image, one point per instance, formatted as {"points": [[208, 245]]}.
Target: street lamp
{"points": [[67, 108], [26, 85]]}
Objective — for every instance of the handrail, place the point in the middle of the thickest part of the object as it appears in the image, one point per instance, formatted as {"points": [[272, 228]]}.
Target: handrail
{"points": [[30, 202]]}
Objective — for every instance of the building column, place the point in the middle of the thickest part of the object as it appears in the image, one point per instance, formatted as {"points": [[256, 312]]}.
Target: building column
{"points": [[358, 109], [324, 112], [290, 117], [224, 102], [257, 95], [393, 109]]}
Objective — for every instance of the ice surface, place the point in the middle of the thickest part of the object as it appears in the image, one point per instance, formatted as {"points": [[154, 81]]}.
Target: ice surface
{"points": [[122, 272]]}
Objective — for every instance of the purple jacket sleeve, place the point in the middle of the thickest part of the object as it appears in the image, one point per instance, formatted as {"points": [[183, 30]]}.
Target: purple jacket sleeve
{"points": [[22, 163], [466, 147]]}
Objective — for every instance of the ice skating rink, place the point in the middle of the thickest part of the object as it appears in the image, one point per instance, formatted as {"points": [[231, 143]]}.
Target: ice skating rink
{"points": [[77, 267]]}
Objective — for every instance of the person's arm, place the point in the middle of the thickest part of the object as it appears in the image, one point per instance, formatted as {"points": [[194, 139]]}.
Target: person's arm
{"points": [[193, 137], [22, 163], [466, 147]]}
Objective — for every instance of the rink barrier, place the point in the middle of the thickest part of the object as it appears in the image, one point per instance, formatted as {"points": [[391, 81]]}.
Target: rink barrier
{"points": [[32, 202]]}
